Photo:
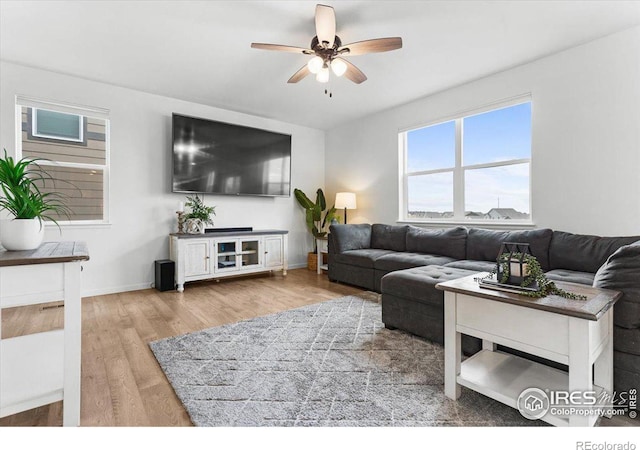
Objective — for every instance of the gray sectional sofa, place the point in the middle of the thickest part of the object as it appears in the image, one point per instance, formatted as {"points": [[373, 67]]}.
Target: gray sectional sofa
{"points": [[405, 263]]}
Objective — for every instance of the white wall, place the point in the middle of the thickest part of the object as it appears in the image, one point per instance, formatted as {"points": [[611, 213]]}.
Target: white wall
{"points": [[142, 205], [586, 138]]}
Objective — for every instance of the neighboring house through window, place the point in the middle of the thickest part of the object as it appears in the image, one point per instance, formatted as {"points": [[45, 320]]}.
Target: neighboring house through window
{"points": [[73, 143], [475, 167]]}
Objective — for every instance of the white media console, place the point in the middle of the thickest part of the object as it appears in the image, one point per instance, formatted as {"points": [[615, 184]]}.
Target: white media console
{"points": [[223, 254]]}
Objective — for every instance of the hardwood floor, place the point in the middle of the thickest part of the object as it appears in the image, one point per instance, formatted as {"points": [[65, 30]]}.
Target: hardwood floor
{"points": [[122, 383]]}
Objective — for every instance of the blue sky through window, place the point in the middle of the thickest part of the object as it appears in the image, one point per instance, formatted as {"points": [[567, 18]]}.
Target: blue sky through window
{"points": [[498, 135], [432, 147]]}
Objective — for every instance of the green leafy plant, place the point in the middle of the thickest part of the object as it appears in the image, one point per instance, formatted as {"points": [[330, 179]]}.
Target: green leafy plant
{"points": [[21, 182], [534, 277], [316, 214], [199, 210]]}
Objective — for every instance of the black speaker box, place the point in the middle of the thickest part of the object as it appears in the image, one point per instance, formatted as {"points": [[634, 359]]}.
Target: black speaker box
{"points": [[165, 270]]}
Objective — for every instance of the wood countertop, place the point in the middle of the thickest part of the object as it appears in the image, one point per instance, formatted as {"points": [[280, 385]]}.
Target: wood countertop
{"points": [[597, 303], [47, 253]]}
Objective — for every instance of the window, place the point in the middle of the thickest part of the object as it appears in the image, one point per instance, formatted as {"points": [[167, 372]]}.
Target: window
{"points": [[472, 168], [57, 125], [73, 145]]}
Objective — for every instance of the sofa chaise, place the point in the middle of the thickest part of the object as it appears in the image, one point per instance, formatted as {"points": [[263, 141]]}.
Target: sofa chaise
{"points": [[405, 262]]}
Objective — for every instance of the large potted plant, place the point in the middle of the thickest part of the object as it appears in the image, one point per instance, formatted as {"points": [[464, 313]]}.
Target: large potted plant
{"points": [[200, 215], [21, 183], [317, 219]]}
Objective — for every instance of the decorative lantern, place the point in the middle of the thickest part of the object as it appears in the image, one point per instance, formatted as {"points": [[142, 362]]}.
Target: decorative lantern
{"points": [[512, 267]]}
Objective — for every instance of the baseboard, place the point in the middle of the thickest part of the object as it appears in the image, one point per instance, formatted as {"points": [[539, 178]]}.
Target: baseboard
{"points": [[117, 289], [147, 285]]}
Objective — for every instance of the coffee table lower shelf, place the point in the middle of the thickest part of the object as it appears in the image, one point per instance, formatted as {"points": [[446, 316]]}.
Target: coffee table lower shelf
{"points": [[503, 377]]}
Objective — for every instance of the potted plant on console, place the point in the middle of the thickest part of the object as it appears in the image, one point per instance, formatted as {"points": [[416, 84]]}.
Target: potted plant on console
{"points": [[22, 184], [200, 215], [316, 221]]}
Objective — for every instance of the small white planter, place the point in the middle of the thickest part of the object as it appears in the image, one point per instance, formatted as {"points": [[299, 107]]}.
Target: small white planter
{"points": [[21, 234]]}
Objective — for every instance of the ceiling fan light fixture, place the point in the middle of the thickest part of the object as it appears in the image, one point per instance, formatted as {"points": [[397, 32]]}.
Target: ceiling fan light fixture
{"points": [[323, 75], [326, 48], [315, 64], [339, 67]]}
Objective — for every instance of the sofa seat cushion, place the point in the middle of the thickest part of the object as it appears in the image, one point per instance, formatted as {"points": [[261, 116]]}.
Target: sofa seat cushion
{"points": [[484, 245], [364, 257], [407, 260], [417, 284], [572, 276], [470, 264], [626, 340]]}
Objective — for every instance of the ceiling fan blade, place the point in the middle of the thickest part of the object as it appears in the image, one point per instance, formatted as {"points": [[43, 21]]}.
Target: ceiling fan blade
{"points": [[372, 46], [353, 73], [282, 48], [325, 24], [299, 75]]}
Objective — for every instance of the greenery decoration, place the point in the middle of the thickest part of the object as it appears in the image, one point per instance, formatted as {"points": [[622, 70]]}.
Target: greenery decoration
{"points": [[199, 210], [534, 277], [316, 221], [21, 182]]}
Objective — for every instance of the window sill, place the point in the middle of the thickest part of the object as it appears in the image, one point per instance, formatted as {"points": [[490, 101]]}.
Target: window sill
{"points": [[477, 223], [79, 225]]}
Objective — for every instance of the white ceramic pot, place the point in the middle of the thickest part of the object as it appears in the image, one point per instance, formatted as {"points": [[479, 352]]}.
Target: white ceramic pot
{"points": [[21, 234]]}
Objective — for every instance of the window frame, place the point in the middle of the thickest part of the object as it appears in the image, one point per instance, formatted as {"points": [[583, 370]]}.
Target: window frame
{"points": [[84, 112], [459, 170]]}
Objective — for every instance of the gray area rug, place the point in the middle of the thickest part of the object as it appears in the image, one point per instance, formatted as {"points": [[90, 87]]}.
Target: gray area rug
{"points": [[327, 364]]}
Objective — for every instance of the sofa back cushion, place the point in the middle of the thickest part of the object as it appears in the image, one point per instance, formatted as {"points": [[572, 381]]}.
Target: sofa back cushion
{"points": [[620, 273], [450, 242], [582, 252], [349, 237], [484, 245], [389, 237]]}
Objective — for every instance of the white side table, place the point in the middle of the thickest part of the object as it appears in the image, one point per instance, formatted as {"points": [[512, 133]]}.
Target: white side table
{"points": [[323, 248], [578, 333], [42, 368]]}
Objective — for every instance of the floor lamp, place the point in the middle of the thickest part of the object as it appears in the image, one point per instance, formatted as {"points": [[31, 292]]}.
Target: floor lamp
{"points": [[345, 200]]}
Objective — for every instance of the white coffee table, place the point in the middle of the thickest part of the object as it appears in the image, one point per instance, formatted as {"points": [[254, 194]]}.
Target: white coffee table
{"points": [[577, 333]]}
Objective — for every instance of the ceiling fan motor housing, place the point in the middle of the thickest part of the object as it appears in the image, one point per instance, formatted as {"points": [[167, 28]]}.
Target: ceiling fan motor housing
{"points": [[327, 53]]}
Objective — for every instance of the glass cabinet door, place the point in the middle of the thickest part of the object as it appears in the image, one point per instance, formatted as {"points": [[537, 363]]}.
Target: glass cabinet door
{"points": [[226, 256], [250, 252]]}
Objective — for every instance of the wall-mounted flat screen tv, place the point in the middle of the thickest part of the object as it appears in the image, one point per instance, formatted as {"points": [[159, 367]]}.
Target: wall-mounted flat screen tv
{"points": [[212, 157]]}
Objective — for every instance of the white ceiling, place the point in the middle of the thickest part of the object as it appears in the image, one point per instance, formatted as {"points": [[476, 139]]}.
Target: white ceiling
{"points": [[200, 50]]}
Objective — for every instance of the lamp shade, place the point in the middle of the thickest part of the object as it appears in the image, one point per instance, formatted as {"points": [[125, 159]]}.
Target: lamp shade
{"points": [[346, 200], [338, 66], [323, 75]]}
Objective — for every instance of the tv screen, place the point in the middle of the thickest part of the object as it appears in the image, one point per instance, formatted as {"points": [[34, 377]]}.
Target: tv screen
{"points": [[221, 158]]}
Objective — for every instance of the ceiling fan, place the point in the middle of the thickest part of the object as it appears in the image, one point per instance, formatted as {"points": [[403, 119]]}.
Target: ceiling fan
{"points": [[329, 51]]}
